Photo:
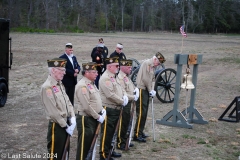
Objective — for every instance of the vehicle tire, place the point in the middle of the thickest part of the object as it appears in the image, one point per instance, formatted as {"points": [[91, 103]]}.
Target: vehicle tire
{"points": [[3, 94], [165, 85], [133, 76]]}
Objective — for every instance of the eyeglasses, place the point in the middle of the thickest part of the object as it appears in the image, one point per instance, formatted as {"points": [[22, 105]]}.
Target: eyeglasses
{"points": [[117, 66], [63, 70], [94, 72], [120, 48]]}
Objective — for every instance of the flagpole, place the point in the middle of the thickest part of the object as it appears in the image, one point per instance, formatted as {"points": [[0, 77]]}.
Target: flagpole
{"points": [[182, 44]]}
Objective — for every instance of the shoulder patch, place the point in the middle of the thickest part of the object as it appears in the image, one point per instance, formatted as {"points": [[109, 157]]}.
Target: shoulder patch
{"points": [[49, 92], [84, 90], [108, 83]]}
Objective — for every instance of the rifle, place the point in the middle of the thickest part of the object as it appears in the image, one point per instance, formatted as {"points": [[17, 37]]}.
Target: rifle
{"points": [[66, 147], [90, 152], [115, 135], [130, 127]]}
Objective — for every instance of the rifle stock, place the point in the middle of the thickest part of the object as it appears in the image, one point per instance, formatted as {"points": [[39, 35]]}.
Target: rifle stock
{"points": [[115, 135], [65, 152], [90, 152], [130, 126]]}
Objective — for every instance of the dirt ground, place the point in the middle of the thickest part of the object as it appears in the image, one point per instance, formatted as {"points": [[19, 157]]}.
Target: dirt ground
{"points": [[24, 126]]}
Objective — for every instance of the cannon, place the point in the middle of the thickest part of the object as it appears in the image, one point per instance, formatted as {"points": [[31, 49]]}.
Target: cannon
{"points": [[5, 60], [164, 84]]}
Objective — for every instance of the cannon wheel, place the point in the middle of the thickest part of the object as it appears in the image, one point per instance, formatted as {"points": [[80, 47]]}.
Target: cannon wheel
{"points": [[3, 94], [165, 85], [135, 64]]}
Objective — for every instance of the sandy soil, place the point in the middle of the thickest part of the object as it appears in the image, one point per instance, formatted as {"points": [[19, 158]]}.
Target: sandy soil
{"points": [[24, 126]]}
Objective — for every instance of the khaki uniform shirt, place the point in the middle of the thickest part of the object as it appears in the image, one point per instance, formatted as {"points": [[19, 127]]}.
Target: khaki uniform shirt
{"points": [[145, 77], [56, 102], [126, 84], [111, 91], [88, 98]]}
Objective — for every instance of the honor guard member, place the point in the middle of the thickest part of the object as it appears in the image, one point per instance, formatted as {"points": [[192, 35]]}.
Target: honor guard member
{"points": [[89, 110], [133, 95], [58, 108], [145, 82], [100, 60], [72, 70], [105, 49], [113, 98], [118, 52]]}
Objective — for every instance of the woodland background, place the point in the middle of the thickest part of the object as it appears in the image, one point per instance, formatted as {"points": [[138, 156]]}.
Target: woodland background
{"points": [[199, 16]]}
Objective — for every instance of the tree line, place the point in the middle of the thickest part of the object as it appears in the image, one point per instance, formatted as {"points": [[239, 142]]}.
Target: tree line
{"points": [[199, 16]]}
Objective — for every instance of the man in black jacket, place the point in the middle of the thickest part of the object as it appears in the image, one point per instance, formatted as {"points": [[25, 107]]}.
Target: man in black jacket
{"points": [[72, 70], [118, 52], [105, 49]]}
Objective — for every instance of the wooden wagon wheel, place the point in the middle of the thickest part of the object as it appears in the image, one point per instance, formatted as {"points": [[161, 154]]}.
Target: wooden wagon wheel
{"points": [[165, 85]]}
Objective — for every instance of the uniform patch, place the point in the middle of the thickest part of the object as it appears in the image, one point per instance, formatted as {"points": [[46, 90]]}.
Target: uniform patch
{"points": [[84, 90], [108, 83], [55, 89], [89, 86], [112, 79], [49, 92]]}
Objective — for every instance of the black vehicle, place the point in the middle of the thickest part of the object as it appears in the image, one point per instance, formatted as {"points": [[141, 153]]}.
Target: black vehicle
{"points": [[5, 60]]}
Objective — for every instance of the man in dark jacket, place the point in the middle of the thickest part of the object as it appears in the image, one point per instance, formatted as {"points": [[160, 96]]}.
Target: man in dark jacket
{"points": [[100, 60], [105, 49], [72, 70], [118, 52]]}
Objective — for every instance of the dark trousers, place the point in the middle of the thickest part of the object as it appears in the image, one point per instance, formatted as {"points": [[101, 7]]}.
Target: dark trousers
{"points": [[56, 139], [141, 112], [86, 127], [70, 90], [123, 126], [107, 131]]}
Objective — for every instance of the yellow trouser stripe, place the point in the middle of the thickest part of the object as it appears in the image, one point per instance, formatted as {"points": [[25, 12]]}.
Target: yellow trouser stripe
{"points": [[104, 135], [53, 137], [140, 113], [83, 133], [119, 131]]}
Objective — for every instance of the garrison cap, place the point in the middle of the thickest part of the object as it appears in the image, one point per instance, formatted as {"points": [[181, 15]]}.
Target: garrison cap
{"points": [[57, 62], [119, 45], [111, 60], [160, 57], [89, 66], [125, 62], [69, 45]]}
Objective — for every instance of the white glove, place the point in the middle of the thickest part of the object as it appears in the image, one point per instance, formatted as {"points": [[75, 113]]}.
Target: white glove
{"points": [[103, 113], [101, 119], [69, 130], [136, 94], [73, 120], [125, 100], [152, 93]]}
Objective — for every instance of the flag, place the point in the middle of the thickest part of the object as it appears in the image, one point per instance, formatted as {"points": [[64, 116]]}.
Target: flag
{"points": [[182, 31]]}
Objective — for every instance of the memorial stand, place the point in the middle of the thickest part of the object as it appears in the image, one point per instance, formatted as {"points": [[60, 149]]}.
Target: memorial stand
{"points": [[175, 117]]}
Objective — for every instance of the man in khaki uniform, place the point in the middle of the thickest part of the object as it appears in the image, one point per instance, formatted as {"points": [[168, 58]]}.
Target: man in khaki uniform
{"points": [[133, 95], [90, 112], [113, 98], [145, 82], [58, 109]]}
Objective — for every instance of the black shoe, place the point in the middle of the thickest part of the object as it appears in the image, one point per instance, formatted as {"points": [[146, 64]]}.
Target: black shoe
{"points": [[131, 145], [115, 154], [122, 147], [144, 135], [139, 139]]}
